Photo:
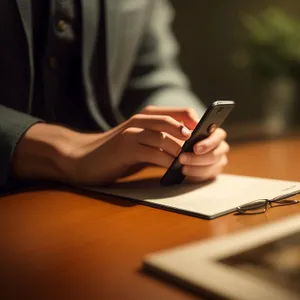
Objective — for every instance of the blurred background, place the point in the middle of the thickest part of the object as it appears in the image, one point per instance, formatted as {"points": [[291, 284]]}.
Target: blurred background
{"points": [[248, 51]]}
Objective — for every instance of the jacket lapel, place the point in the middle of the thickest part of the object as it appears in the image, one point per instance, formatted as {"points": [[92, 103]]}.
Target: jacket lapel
{"points": [[112, 23], [90, 25], [26, 17], [90, 20], [90, 17]]}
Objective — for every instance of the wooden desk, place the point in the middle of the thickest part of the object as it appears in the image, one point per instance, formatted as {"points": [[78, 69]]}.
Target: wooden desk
{"points": [[61, 245]]}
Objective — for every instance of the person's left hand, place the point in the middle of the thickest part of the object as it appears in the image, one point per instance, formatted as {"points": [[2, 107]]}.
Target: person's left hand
{"points": [[210, 155], [208, 159]]}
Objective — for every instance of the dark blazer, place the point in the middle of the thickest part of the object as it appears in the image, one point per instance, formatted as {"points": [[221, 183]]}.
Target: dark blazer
{"points": [[141, 65]]}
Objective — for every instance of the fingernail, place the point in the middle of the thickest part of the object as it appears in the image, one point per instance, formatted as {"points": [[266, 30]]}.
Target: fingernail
{"points": [[185, 131], [200, 148], [183, 159]]}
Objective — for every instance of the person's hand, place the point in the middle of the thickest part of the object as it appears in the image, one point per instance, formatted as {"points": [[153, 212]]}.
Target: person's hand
{"points": [[154, 137], [53, 152], [210, 155], [208, 159]]}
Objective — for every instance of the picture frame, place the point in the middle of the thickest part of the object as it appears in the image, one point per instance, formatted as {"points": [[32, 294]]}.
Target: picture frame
{"points": [[260, 263]]}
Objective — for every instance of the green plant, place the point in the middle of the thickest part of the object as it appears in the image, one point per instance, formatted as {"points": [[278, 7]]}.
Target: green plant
{"points": [[273, 43]]}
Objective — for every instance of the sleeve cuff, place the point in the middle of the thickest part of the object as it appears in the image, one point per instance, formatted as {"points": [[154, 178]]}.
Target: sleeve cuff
{"points": [[13, 125]]}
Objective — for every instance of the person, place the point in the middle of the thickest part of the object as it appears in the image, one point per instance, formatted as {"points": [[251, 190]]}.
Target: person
{"points": [[91, 91]]}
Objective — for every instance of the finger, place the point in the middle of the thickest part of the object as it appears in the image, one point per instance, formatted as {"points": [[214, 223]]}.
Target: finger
{"points": [[159, 140], [205, 172], [205, 159], [161, 124], [154, 156], [188, 116], [211, 142], [179, 142]]}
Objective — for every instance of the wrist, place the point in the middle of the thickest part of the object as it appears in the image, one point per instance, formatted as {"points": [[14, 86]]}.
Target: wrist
{"points": [[45, 152]]}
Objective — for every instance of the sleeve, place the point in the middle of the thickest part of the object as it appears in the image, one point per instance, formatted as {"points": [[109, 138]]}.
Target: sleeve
{"points": [[156, 78], [13, 125]]}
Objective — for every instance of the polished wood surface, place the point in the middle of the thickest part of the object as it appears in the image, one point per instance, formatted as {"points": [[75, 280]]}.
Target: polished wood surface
{"points": [[57, 244]]}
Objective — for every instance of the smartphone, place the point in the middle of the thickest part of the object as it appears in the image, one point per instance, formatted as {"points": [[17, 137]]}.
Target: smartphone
{"points": [[213, 118]]}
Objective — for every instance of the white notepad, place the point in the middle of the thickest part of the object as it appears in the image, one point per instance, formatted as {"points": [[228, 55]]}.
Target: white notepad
{"points": [[210, 200]]}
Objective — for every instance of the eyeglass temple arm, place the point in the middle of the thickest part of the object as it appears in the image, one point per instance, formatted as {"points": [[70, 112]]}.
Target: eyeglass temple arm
{"points": [[285, 196]]}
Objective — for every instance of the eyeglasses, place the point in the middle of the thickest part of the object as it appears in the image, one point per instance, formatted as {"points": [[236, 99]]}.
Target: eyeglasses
{"points": [[260, 206]]}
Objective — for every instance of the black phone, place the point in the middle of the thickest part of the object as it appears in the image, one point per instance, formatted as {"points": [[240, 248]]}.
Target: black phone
{"points": [[213, 118]]}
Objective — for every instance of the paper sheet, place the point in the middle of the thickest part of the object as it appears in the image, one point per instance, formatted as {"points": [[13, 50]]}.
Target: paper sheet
{"points": [[208, 200]]}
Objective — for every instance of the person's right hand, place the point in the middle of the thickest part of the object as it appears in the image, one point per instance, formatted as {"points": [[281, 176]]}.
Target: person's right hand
{"points": [[144, 138], [154, 136]]}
